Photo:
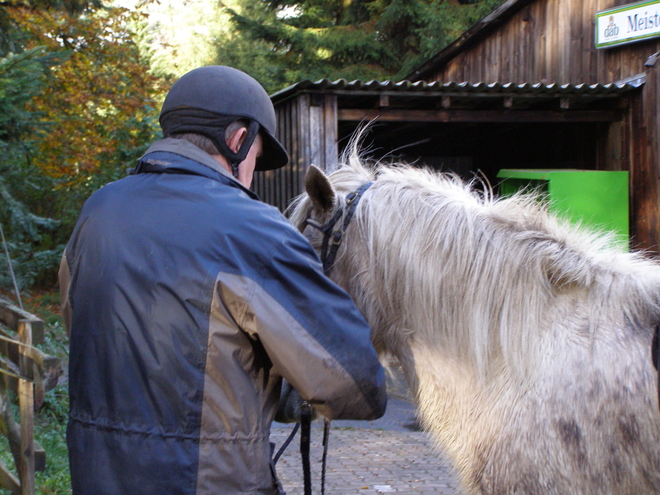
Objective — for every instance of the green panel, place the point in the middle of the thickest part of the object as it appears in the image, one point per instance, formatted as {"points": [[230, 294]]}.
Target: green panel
{"points": [[596, 198]]}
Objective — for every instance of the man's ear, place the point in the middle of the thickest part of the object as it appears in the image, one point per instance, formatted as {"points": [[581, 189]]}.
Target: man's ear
{"points": [[319, 189], [236, 139]]}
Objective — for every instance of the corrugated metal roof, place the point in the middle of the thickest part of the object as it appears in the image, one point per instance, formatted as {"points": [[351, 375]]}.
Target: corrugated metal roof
{"points": [[460, 88]]}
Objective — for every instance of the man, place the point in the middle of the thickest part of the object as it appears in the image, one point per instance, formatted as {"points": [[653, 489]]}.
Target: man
{"points": [[188, 300]]}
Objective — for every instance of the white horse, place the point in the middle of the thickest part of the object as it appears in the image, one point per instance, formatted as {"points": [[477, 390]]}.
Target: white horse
{"points": [[526, 341]]}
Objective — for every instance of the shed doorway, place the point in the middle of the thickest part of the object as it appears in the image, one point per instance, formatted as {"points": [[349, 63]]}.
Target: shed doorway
{"points": [[483, 149]]}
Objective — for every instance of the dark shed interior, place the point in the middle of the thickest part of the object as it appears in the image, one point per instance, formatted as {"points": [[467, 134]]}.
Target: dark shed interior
{"points": [[484, 148], [470, 129]]}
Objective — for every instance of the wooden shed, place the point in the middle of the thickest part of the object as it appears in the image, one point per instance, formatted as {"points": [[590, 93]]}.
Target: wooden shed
{"points": [[525, 87]]}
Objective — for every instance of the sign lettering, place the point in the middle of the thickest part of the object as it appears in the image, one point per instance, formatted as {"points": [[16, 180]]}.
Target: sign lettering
{"points": [[628, 23]]}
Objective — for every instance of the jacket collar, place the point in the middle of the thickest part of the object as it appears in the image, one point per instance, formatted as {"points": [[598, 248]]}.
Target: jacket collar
{"points": [[188, 150]]}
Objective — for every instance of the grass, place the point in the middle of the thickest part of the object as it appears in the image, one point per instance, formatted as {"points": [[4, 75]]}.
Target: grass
{"points": [[50, 420]]}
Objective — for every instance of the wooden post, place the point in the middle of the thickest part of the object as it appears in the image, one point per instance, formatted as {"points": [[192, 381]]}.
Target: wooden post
{"points": [[26, 405]]}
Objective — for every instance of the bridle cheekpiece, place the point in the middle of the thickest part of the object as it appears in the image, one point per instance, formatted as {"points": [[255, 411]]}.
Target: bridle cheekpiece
{"points": [[332, 238]]}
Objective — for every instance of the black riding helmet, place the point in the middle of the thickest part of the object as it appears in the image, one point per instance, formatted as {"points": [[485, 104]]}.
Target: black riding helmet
{"points": [[206, 100]]}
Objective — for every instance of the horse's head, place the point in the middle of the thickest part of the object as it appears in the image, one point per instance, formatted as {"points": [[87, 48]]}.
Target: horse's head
{"points": [[333, 214], [323, 213]]}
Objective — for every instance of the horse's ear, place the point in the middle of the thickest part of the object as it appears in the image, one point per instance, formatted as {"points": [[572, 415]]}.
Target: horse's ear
{"points": [[319, 189]]}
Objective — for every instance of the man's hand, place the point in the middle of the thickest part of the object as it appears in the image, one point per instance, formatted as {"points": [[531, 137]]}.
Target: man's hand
{"points": [[288, 410]]}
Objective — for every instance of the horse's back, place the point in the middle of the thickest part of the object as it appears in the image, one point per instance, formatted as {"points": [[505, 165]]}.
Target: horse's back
{"points": [[589, 424]]}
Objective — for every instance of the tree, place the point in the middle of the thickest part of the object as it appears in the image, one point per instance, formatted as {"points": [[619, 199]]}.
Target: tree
{"points": [[351, 39], [180, 35], [75, 117], [8, 41], [98, 111], [101, 97], [28, 235]]}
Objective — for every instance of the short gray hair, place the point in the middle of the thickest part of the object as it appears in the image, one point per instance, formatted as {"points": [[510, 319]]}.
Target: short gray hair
{"points": [[204, 143]]}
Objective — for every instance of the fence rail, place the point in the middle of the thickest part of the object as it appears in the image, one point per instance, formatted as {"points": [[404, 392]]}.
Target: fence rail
{"points": [[29, 374]]}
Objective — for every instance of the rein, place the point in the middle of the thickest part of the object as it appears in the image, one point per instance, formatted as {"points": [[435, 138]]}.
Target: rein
{"points": [[332, 238], [305, 441]]}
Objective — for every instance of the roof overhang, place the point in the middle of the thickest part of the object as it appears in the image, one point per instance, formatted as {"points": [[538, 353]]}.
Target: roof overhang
{"points": [[419, 101]]}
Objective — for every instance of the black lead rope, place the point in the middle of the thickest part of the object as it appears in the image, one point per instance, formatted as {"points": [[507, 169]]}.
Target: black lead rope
{"points": [[305, 440], [326, 436], [286, 443]]}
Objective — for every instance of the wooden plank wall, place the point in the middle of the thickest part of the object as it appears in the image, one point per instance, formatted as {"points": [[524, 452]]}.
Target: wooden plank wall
{"points": [[549, 41], [552, 41], [275, 187], [307, 128]]}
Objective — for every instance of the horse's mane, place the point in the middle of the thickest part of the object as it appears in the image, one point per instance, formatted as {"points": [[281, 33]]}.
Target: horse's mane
{"points": [[475, 273]]}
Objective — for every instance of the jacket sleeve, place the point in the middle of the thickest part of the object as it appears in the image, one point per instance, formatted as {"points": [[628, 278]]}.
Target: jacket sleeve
{"points": [[314, 334]]}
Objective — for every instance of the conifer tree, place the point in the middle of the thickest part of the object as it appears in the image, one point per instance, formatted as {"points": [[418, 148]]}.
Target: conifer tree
{"points": [[23, 76], [351, 39], [28, 236]]}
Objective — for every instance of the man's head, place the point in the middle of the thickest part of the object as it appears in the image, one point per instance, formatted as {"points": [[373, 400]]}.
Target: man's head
{"points": [[218, 102]]}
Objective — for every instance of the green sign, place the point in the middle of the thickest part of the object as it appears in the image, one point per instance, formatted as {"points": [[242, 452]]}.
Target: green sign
{"points": [[627, 24]]}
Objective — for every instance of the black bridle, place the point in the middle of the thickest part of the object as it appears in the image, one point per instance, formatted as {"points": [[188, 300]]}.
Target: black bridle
{"points": [[332, 238]]}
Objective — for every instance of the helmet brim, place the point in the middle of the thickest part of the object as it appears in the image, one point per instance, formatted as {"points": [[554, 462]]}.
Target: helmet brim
{"points": [[273, 155]]}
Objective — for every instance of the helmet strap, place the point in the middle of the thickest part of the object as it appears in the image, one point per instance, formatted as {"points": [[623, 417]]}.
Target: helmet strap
{"points": [[243, 150]]}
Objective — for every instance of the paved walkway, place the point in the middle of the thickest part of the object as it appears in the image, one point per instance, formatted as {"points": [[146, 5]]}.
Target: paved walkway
{"points": [[369, 457]]}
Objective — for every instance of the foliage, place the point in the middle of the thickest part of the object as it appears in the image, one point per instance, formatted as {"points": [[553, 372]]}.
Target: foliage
{"points": [[100, 100], [355, 39], [179, 36], [91, 106], [8, 33], [28, 235], [51, 418], [50, 432]]}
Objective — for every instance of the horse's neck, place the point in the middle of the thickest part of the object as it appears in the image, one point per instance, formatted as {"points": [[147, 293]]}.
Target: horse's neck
{"points": [[430, 373], [453, 406]]}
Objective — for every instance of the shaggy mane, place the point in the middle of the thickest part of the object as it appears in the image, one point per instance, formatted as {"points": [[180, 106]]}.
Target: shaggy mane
{"points": [[450, 245]]}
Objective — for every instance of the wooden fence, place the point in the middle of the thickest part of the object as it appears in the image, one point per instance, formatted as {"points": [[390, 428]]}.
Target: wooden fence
{"points": [[29, 374]]}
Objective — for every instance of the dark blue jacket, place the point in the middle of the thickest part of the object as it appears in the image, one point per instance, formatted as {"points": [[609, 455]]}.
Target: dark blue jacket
{"points": [[189, 299]]}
